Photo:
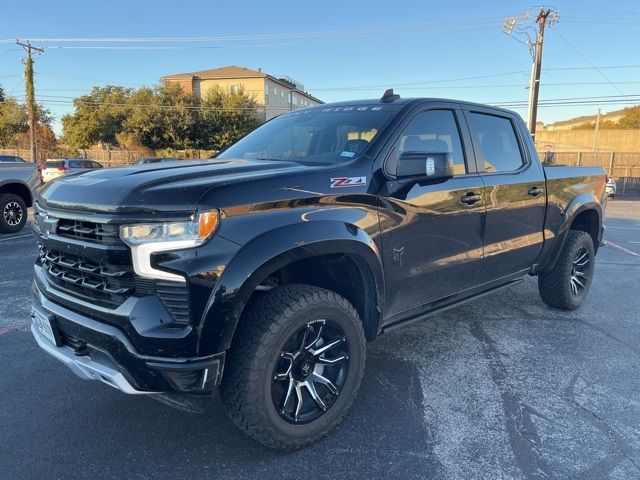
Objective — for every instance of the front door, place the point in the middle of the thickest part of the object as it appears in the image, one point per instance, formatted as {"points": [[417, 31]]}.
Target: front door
{"points": [[431, 234]]}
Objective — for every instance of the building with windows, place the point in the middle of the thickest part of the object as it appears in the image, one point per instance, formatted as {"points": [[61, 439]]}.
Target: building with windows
{"points": [[276, 94]]}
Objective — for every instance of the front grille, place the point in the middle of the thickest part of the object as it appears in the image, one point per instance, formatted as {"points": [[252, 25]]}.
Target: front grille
{"points": [[95, 232], [85, 271], [110, 285]]}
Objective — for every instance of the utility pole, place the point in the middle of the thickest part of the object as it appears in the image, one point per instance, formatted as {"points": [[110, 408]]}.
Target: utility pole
{"points": [[31, 98], [595, 133], [541, 20], [546, 16]]}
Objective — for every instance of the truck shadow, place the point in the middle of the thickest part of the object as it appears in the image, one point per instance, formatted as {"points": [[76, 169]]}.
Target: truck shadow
{"points": [[94, 431]]}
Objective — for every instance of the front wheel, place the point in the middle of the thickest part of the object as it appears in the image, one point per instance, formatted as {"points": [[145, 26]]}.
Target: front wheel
{"points": [[295, 366], [566, 285], [13, 213]]}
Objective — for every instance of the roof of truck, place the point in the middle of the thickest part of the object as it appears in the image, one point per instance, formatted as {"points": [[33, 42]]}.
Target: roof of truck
{"points": [[409, 101]]}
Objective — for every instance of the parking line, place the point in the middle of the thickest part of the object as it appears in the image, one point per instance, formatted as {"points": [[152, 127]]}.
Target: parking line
{"points": [[18, 236], [621, 248]]}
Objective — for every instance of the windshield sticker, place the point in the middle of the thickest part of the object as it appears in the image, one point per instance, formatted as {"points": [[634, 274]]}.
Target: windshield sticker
{"points": [[340, 182], [347, 154]]}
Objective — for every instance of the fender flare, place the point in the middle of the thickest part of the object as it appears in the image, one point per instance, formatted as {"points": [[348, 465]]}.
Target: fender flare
{"points": [[29, 200], [579, 204], [271, 251]]}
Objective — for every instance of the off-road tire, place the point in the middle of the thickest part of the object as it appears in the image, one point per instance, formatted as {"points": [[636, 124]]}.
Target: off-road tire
{"points": [[555, 285], [265, 325], [8, 199]]}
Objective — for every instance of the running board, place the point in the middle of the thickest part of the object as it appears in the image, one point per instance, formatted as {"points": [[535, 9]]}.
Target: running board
{"points": [[436, 310]]}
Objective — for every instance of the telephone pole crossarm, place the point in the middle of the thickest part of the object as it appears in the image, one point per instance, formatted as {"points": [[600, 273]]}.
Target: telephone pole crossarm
{"points": [[545, 17]]}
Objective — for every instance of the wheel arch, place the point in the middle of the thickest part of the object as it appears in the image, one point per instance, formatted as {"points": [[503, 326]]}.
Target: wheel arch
{"points": [[17, 188], [583, 213], [299, 253]]}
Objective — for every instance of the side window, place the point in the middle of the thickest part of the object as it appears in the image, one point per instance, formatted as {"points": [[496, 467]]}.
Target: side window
{"points": [[433, 131], [498, 142]]}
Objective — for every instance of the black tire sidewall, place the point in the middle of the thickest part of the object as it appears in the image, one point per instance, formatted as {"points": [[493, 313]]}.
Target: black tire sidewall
{"points": [[353, 333], [572, 248], [4, 200]]}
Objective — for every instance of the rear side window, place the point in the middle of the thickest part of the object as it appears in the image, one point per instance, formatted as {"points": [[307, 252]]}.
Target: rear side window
{"points": [[499, 148], [54, 164], [76, 164], [95, 165]]}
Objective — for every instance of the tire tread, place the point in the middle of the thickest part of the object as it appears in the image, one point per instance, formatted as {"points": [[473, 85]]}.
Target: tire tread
{"points": [[263, 318]]}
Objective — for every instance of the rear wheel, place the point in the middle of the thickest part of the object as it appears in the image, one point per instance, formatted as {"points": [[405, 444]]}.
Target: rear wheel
{"points": [[566, 286], [13, 213], [295, 366]]}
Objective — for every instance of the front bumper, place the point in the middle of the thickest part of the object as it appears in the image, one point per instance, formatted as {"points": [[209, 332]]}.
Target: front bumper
{"points": [[97, 351]]}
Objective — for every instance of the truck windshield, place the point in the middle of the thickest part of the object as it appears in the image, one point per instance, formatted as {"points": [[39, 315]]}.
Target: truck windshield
{"points": [[317, 135]]}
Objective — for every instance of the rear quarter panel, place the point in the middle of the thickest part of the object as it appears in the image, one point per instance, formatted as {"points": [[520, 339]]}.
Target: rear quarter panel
{"points": [[570, 191]]}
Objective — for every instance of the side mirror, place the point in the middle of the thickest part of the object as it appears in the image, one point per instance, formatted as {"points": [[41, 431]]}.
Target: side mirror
{"points": [[425, 166]]}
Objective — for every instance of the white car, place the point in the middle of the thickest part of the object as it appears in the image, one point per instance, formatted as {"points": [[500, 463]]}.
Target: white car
{"points": [[57, 167], [611, 187]]}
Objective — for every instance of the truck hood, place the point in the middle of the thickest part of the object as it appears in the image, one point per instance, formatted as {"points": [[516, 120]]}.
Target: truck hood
{"points": [[168, 187]]}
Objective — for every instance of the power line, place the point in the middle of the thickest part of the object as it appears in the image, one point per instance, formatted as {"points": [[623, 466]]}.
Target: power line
{"points": [[426, 33], [269, 36], [609, 99], [588, 62], [545, 16]]}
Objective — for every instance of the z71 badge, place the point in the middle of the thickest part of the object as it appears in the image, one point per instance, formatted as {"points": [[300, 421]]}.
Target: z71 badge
{"points": [[340, 182]]}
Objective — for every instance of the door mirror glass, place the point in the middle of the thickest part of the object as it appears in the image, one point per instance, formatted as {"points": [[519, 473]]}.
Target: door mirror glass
{"points": [[425, 166]]}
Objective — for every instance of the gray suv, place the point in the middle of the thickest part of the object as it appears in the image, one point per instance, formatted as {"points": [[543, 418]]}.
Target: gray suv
{"points": [[58, 167]]}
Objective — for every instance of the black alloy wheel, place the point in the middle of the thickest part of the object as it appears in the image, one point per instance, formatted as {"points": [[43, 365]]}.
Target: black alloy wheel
{"points": [[13, 213], [294, 367], [579, 271], [567, 284], [311, 371]]}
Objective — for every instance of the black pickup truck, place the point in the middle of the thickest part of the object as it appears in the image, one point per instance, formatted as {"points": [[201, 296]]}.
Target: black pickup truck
{"points": [[266, 270]]}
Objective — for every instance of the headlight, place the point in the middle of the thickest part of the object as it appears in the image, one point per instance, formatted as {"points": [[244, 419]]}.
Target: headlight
{"points": [[148, 238], [196, 230]]}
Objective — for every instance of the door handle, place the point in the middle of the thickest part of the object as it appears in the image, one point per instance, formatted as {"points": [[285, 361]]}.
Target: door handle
{"points": [[470, 198], [535, 191]]}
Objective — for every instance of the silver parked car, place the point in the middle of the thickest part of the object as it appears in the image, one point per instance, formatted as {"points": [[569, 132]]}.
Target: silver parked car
{"points": [[57, 167]]}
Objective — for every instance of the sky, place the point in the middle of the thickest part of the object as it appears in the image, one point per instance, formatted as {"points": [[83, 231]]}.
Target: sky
{"points": [[339, 50]]}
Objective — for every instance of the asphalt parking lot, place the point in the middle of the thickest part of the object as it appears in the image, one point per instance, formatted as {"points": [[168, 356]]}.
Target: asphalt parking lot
{"points": [[500, 388]]}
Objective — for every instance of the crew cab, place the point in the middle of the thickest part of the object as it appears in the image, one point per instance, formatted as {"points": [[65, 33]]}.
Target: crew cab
{"points": [[265, 271]]}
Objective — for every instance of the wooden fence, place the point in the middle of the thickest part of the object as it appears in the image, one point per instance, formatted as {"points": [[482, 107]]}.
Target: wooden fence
{"points": [[624, 167], [113, 157]]}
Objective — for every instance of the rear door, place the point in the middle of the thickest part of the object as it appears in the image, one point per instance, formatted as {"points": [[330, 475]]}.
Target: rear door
{"points": [[514, 195], [431, 238]]}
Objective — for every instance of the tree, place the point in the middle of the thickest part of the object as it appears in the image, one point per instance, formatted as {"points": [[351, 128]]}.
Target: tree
{"points": [[631, 118], [159, 117], [226, 117], [97, 118], [163, 117], [14, 119]]}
